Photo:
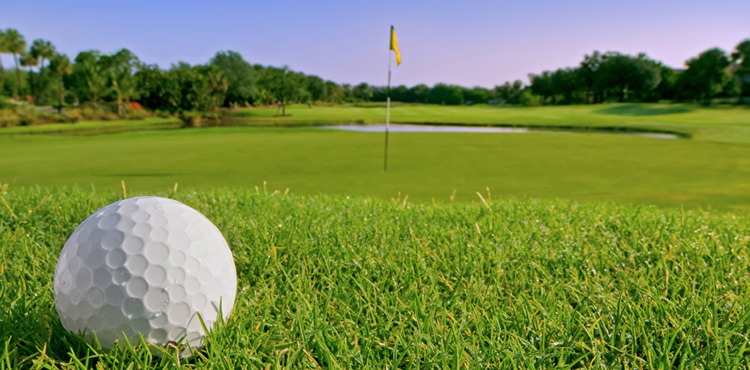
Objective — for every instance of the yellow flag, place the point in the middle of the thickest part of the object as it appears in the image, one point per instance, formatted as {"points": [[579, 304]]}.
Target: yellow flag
{"points": [[394, 46]]}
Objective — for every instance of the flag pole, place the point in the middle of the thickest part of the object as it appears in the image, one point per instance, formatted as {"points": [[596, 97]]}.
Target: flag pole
{"points": [[387, 110]]}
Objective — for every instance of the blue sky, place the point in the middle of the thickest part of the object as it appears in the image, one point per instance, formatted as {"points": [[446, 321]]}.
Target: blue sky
{"points": [[469, 43]]}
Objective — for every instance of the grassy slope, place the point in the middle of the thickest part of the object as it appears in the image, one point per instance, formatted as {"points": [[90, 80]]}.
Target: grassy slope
{"points": [[728, 124], [363, 283], [422, 165]]}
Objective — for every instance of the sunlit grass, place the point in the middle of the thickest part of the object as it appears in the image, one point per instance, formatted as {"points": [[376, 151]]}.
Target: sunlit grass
{"points": [[425, 166], [363, 283], [721, 123], [95, 127]]}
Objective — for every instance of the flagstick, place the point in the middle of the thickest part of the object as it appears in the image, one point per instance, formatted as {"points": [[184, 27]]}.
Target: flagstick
{"points": [[387, 113]]}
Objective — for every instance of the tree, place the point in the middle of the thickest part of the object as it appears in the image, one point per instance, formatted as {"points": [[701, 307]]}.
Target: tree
{"points": [[60, 66], [334, 93], [362, 92], [400, 93], [286, 86], [588, 77], [542, 85], [445, 95], [317, 88], [563, 83], [29, 61], [151, 85], [41, 50], [3, 49], [741, 56], [239, 75], [666, 87], [16, 45], [280, 86], [88, 78], [418, 93], [218, 84], [119, 69], [705, 76], [476, 95], [189, 88], [510, 93], [627, 76]]}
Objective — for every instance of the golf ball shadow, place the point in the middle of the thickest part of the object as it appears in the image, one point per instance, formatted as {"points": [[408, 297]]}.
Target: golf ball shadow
{"points": [[147, 265]]}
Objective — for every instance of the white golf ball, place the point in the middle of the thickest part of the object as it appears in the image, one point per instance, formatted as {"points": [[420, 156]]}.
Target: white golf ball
{"points": [[147, 266]]}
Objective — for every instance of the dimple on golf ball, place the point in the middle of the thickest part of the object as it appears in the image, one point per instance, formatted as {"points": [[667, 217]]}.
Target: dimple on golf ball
{"points": [[147, 266]]}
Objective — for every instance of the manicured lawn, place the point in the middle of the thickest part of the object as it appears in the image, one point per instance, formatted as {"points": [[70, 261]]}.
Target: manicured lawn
{"points": [[725, 124], [334, 282], [95, 127], [424, 166]]}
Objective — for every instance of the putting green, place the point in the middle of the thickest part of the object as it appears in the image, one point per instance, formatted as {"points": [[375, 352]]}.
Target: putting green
{"points": [[425, 166]]}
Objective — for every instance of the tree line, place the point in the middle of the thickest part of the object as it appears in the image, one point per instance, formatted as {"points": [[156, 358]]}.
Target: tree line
{"points": [[120, 79]]}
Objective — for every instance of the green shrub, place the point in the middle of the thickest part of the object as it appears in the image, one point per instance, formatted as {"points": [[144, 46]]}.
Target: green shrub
{"points": [[28, 115], [191, 119], [89, 113], [214, 118], [8, 118], [527, 98], [163, 114], [72, 116], [47, 117]]}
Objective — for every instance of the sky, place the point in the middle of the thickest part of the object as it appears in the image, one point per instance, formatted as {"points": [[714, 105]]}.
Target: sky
{"points": [[469, 43]]}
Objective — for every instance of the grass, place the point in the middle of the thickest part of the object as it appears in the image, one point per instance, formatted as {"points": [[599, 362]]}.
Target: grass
{"points": [[364, 283], [723, 124], [95, 127], [426, 167]]}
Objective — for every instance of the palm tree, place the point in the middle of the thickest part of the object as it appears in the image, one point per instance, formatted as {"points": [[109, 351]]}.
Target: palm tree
{"points": [[218, 84], [119, 71], [89, 75], [60, 66], [3, 49], [15, 44], [41, 50], [29, 61]]}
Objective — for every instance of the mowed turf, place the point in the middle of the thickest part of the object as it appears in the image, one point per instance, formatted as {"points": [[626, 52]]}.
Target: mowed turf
{"points": [[719, 123], [425, 167], [333, 282], [95, 127]]}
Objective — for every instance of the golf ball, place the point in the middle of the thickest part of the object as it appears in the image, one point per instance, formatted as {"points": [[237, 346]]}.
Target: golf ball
{"points": [[147, 265]]}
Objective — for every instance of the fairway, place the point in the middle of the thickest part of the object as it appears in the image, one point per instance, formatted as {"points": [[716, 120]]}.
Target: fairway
{"points": [[425, 166], [722, 124]]}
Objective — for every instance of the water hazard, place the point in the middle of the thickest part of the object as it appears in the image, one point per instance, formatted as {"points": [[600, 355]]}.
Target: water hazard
{"points": [[495, 130]]}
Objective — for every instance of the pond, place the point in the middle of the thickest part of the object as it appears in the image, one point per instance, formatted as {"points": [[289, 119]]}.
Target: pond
{"points": [[496, 130]]}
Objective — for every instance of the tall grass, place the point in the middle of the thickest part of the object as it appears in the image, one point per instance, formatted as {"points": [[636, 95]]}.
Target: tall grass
{"points": [[335, 282]]}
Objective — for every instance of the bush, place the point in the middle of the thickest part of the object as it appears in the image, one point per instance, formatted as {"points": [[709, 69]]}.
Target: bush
{"points": [[133, 114], [9, 118], [28, 115], [72, 116], [24, 114], [163, 114], [191, 119], [89, 113], [528, 99], [212, 117]]}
